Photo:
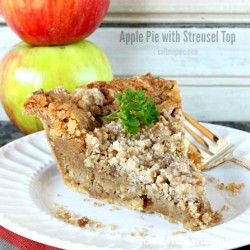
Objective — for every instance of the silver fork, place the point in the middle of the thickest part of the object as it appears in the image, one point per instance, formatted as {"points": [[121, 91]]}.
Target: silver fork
{"points": [[216, 153]]}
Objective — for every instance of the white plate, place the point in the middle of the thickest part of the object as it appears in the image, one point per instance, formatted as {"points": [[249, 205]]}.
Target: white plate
{"points": [[30, 185]]}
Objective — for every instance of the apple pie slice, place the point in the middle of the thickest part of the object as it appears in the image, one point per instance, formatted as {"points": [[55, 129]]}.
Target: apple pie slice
{"points": [[148, 171]]}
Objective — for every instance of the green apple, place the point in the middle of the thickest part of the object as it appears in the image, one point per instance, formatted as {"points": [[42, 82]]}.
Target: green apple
{"points": [[26, 69]]}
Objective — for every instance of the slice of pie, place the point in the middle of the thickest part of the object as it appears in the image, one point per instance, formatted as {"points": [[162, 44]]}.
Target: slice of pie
{"points": [[152, 171]]}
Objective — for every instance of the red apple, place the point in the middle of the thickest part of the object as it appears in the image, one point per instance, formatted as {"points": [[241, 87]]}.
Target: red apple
{"points": [[26, 68], [53, 22]]}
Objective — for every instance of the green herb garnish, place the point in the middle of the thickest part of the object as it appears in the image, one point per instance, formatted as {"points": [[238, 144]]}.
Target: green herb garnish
{"points": [[135, 109]]}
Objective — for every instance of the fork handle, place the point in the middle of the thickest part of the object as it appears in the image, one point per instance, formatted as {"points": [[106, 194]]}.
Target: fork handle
{"points": [[241, 162]]}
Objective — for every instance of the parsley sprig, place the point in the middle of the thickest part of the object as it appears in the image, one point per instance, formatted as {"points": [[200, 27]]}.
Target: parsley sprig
{"points": [[135, 110]]}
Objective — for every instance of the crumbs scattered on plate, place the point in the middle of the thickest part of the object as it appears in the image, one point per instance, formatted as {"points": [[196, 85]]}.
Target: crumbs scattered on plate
{"points": [[86, 199], [224, 208], [70, 217], [232, 187], [113, 208], [178, 232], [140, 232], [140, 217], [112, 226], [98, 204]]}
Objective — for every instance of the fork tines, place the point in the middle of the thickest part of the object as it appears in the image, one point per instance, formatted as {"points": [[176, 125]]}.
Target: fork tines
{"points": [[213, 154]]}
